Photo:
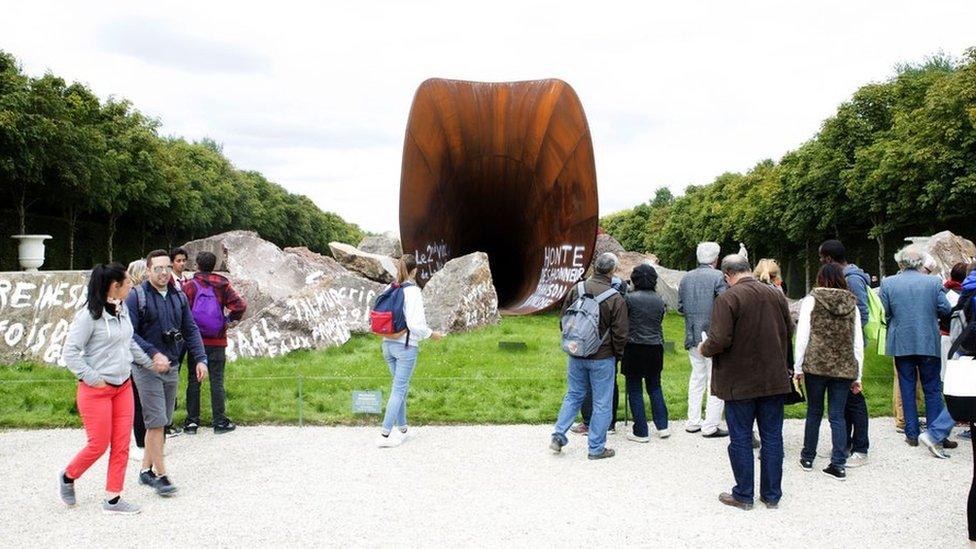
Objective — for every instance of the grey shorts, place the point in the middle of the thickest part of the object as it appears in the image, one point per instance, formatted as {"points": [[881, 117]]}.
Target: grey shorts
{"points": [[157, 394]]}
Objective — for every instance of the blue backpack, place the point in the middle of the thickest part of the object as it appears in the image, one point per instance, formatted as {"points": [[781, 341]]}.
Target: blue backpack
{"points": [[387, 317]]}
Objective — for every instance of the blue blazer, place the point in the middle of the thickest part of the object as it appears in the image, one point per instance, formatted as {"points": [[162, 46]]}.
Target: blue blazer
{"points": [[913, 303]]}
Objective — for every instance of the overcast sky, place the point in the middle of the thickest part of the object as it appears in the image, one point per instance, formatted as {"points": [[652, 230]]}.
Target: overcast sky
{"points": [[316, 97]]}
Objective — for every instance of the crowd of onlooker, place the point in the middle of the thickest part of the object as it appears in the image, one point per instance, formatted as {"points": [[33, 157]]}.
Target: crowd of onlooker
{"points": [[750, 357]]}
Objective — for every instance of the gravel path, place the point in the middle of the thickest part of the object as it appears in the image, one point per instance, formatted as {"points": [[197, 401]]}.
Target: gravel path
{"points": [[478, 485]]}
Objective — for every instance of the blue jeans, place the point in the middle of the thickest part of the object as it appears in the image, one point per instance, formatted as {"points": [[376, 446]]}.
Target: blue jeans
{"points": [[927, 368], [582, 375], [401, 359], [659, 410], [856, 416], [940, 429], [836, 391], [767, 412]]}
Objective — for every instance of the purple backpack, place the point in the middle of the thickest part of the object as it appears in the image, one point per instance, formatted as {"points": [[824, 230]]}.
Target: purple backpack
{"points": [[207, 311]]}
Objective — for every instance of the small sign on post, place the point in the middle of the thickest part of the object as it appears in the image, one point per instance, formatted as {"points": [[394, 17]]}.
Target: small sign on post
{"points": [[367, 402]]}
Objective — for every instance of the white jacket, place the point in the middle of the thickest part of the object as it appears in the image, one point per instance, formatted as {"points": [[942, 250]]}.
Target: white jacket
{"points": [[413, 309]]}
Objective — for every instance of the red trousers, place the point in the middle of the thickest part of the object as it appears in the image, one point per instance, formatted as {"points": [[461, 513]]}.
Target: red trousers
{"points": [[107, 415]]}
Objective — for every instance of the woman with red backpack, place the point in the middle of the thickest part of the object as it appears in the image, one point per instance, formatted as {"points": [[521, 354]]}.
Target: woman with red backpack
{"points": [[398, 315]]}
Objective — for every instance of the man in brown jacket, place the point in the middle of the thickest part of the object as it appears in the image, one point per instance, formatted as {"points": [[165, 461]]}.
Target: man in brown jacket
{"points": [[598, 370], [748, 340]]}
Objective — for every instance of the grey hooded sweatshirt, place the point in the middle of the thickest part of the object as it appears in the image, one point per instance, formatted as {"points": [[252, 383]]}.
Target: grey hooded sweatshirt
{"points": [[103, 349]]}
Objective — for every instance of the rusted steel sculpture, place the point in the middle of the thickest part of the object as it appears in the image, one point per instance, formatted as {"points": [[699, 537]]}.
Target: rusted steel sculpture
{"points": [[506, 169]]}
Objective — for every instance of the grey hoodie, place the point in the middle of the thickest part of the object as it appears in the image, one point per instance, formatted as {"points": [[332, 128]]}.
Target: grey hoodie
{"points": [[103, 349]]}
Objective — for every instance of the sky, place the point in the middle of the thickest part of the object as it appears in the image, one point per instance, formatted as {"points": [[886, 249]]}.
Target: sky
{"points": [[315, 95]]}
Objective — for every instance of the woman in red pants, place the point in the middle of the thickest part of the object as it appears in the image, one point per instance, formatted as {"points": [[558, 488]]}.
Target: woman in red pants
{"points": [[100, 351]]}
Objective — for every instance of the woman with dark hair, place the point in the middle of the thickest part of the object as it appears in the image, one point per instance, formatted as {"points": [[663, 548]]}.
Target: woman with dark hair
{"points": [[644, 353], [100, 351], [829, 357], [400, 352]]}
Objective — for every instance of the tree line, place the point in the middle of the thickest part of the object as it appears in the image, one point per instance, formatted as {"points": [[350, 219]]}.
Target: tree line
{"points": [[898, 158], [67, 154]]}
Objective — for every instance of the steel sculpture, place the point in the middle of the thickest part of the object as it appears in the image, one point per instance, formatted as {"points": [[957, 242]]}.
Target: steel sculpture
{"points": [[506, 169]]}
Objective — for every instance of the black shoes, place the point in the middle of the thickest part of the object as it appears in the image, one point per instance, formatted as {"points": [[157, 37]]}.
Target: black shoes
{"points": [[911, 441], [835, 472], [172, 431], [717, 433], [949, 444], [556, 444], [225, 427], [770, 504], [147, 478], [164, 487], [190, 428], [806, 464]]}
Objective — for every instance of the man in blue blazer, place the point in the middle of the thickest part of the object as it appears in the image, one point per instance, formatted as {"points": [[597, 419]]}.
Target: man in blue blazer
{"points": [[913, 303]]}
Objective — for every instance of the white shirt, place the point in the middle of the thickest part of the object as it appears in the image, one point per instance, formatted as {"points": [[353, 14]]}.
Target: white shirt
{"points": [[803, 337], [413, 309]]}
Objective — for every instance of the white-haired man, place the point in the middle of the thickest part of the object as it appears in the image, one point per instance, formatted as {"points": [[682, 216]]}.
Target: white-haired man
{"points": [[696, 296], [913, 303]]}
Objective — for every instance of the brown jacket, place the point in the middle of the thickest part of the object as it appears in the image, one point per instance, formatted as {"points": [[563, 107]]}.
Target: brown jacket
{"points": [[748, 340], [613, 316]]}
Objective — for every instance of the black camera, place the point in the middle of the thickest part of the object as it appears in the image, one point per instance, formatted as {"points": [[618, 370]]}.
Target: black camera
{"points": [[172, 336]]}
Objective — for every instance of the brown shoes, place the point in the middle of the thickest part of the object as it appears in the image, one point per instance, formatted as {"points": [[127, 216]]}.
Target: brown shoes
{"points": [[727, 499]]}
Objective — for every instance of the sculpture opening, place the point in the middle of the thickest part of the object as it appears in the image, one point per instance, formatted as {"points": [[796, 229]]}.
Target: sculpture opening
{"points": [[506, 169]]}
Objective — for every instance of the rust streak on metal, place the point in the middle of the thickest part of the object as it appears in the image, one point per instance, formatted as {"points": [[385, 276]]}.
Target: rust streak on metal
{"points": [[507, 169]]}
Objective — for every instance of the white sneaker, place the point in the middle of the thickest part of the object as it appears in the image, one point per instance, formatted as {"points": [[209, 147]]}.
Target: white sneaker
{"points": [[410, 434], [664, 433], [391, 441], [936, 449], [692, 427], [635, 438], [120, 507], [857, 459], [136, 453]]}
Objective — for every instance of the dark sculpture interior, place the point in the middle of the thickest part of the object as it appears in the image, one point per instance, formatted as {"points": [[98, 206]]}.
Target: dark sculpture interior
{"points": [[506, 169]]}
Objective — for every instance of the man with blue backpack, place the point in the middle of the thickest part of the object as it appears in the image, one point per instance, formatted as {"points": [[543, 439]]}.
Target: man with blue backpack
{"points": [[209, 296], [594, 333], [163, 327]]}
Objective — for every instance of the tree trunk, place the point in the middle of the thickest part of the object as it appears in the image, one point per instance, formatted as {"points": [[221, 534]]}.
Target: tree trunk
{"points": [[111, 236], [72, 219], [881, 256], [22, 210], [806, 264]]}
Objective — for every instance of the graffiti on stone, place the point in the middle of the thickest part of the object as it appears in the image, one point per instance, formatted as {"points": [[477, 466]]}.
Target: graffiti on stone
{"points": [[311, 319], [36, 311], [562, 266], [431, 258]]}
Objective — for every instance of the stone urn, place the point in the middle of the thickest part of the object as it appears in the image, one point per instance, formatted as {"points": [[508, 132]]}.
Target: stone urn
{"points": [[30, 252]]}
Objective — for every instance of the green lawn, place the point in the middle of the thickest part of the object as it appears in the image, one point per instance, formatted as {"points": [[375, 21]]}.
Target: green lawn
{"points": [[464, 378]]}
